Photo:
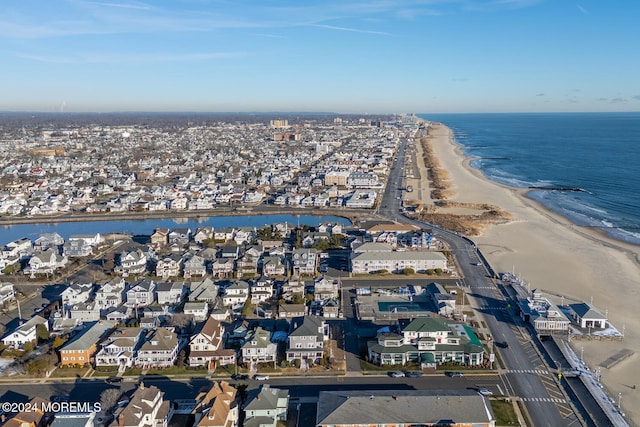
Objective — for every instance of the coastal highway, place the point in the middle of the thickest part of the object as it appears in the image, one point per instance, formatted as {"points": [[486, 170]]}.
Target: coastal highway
{"points": [[527, 376]]}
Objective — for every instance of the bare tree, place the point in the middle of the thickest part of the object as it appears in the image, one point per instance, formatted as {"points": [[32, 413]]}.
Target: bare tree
{"points": [[109, 398]]}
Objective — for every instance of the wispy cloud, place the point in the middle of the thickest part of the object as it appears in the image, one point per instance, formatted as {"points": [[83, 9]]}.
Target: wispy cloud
{"points": [[582, 9], [142, 58], [135, 5], [352, 30], [540, 94], [619, 100], [636, 97]]}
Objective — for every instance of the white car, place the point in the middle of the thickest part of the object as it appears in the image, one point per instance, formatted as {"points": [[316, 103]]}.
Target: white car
{"points": [[259, 377], [485, 391]]}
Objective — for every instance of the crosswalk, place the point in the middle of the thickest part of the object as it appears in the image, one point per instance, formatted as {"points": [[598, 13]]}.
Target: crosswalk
{"points": [[543, 399], [528, 371]]}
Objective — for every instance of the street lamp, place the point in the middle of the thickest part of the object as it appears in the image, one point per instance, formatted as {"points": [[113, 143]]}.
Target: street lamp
{"points": [[619, 399]]}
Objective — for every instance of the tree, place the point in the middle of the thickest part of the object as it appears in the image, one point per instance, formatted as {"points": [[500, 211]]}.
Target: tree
{"points": [[28, 347], [109, 398], [42, 333], [58, 342], [181, 320], [297, 299], [408, 271]]}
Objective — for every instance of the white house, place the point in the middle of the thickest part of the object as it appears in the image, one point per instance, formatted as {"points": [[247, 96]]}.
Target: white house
{"points": [[110, 294], [25, 333]]}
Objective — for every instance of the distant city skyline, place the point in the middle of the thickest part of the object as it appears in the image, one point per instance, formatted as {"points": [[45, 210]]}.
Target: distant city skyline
{"points": [[343, 56]]}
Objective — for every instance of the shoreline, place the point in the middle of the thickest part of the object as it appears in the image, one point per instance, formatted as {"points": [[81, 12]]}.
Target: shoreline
{"points": [[553, 254]]}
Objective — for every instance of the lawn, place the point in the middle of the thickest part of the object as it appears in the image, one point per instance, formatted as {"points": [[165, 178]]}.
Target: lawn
{"points": [[68, 372], [504, 412]]}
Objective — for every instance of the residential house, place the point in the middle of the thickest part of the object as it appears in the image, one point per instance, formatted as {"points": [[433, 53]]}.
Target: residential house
{"points": [[31, 416], [75, 419], [199, 310], [180, 236], [204, 290], [217, 407], [147, 408], [169, 266], [76, 248], [289, 311], [160, 238], [326, 288], [266, 406], [305, 260], [236, 294], [132, 263], [25, 333], [110, 294], [170, 292], [81, 348], [306, 340], [193, 265], [223, 234], [222, 267], [84, 311], [120, 314], [291, 288], [272, 265], [258, 347], [331, 309], [247, 265], [19, 249], [311, 238], [203, 233], [207, 347], [91, 239], [141, 293], [159, 350], [230, 250], [46, 262], [48, 241], [429, 341], [392, 408], [76, 293], [120, 348], [261, 290], [7, 293]]}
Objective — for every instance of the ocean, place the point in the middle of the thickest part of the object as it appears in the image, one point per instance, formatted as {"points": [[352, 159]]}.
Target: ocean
{"points": [[598, 153]]}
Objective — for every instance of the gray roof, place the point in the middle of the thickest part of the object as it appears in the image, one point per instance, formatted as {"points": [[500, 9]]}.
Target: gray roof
{"points": [[88, 337], [309, 328], [586, 311], [266, 398], [402, 406]]}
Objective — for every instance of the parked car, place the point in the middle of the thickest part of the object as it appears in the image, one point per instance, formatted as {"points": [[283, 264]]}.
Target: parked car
{"points": [[502, 344], [485, 391], [396, 374], [260, 377], [59, 398], [456, 374], [113, 380], [412, 374], [239, 377]]}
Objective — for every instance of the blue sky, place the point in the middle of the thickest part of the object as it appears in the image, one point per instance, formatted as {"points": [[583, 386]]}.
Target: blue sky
{"points": [[375, 56]]}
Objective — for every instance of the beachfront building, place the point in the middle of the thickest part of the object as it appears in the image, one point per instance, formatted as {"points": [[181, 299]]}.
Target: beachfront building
{"points": [[587, 316], [396, 261], [429, 341], [544, 315]]}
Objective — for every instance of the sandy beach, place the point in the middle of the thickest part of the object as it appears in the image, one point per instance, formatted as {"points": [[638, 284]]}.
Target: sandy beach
{"points": [[552, 254]]}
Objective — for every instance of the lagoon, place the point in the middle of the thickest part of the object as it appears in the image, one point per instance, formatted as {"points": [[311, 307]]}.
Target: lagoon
{"points": [[9, 233]]}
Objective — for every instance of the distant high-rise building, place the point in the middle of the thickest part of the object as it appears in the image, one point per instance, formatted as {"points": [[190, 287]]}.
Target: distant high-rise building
{"points": [[280, 123]]}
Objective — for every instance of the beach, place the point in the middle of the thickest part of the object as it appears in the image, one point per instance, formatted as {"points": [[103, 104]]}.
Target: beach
{"points": [[552, 254]]}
